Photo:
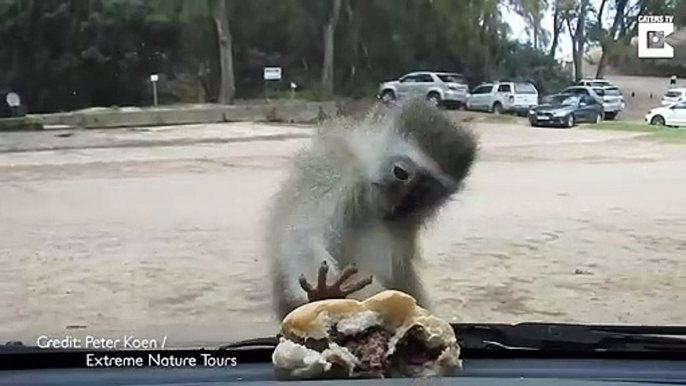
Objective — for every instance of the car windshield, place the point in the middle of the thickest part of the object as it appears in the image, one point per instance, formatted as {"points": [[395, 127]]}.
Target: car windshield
{"points": [[564, 100], [673, 94], [170, 169]]}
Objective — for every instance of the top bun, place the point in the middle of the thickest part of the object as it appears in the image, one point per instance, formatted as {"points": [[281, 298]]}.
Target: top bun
{"points": [[394, 311]]}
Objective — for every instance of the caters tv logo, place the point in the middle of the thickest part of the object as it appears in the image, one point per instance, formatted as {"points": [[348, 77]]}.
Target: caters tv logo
{"points": [[652, 32]]}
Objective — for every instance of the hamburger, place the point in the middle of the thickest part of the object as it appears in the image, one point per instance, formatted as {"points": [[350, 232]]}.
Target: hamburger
{"points": [[385, 336]]}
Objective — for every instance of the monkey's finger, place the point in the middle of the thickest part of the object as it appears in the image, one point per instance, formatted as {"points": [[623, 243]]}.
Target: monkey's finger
{"points": [[347, 273], [305, 284], [358, 285], [321, 276]]}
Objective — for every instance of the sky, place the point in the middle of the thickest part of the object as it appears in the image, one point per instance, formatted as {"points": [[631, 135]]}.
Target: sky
{"points": [[518, 26]]}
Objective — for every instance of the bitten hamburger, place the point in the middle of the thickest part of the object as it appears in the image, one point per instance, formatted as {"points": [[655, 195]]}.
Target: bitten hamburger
{"points": [[387, 335]]}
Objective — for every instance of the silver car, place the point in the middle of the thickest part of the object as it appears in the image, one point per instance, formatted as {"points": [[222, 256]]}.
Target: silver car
{"points": [[438, 87]]}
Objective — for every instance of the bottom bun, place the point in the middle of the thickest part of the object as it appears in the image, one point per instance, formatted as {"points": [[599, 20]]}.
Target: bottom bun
{"points": [[387, 335]]}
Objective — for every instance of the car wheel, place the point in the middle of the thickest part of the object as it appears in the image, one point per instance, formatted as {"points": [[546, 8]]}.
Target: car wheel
{"points": [[598, 118], [434, 99], [570, 120], [387, 96], [497, 108], [610, 116], [657, 120]]}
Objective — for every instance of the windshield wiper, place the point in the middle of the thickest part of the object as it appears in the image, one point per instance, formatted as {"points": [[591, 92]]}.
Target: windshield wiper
{"points": [[571, 337], [547, 337]]}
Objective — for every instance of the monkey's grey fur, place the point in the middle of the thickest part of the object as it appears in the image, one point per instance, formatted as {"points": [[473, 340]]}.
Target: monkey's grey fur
{"points": [[360, 195]]}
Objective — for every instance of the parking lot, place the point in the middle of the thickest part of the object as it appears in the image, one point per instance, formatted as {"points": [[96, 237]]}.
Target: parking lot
{"points": [[559, 225]]}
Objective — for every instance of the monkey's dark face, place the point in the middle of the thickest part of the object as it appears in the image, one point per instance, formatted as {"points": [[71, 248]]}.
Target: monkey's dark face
{"points": [[408, 190]]}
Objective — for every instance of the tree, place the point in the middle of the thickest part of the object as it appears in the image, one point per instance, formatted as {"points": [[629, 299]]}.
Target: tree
{"points": [[220, 13], [532, 11], [329, 34], [558, 26], [574, 13]]}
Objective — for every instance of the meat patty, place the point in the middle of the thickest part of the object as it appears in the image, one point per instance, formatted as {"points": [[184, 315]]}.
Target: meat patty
{"points": [[369, 347], [411, 350]]}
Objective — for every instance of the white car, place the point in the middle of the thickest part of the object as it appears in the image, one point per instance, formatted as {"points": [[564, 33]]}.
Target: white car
{"points": [[595, 83], [498, 97], [671, 115], [674, 95]]}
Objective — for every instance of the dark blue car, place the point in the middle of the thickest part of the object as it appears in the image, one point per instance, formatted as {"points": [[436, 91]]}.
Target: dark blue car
{"points": [[566, 110]]}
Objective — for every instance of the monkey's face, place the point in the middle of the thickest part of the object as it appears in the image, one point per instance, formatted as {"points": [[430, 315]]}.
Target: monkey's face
{"points": [[409, 190]]}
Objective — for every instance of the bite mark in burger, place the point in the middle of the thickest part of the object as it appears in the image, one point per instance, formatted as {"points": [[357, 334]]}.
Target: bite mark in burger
{"points": [[387, 335]]}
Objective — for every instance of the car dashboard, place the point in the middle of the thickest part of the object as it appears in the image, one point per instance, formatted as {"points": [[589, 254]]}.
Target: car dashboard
{"points": [[476, 372]]}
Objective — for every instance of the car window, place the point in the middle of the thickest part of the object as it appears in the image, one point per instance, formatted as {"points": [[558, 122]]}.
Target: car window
{"points": [[482, 89], [409, 79], [504, 88], [524, 88], [599, 91], [612, 91], [578, 91], [588, 100], [424, 78], [673, 94], [451, 78], [680, 106]]}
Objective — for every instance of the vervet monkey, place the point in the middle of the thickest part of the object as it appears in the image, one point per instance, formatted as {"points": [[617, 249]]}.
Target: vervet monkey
{"points": [[357, 199]]}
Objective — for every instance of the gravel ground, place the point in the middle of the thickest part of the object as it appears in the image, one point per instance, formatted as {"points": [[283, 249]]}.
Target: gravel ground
{"points": [[107, 233]]}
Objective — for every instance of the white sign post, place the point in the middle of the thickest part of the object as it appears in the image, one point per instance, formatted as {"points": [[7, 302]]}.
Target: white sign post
{"points": [[153, 79], [14, 102], [270, 74], [293, 87]]}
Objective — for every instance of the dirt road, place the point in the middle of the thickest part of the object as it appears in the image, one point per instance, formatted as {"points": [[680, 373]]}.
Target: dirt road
{"points": [[556, 225]]}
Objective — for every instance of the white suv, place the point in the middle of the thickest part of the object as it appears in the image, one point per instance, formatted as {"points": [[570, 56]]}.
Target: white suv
{"points": [[498, 97]]}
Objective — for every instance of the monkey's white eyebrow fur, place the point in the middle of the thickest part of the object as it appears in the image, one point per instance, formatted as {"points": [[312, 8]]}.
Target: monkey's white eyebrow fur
{"points": [[373, 144]]}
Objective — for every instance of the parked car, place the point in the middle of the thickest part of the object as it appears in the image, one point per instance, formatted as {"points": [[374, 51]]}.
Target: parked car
{"points": [[610, 97], [566, 110], [499, 97], [595, 83], [671, 115], [438, 87], [673, 96], [613, 101]]}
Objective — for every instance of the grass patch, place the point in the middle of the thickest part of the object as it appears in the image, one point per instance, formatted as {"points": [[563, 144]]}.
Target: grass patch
{"points": [[473, 116], [658, 133], [20, 124]]}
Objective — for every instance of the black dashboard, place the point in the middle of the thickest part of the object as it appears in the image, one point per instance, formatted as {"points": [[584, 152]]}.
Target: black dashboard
{"points": [[476, 372], [529, 354]]}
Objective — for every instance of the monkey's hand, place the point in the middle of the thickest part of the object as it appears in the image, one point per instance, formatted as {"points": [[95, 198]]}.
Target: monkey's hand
{"points": [[335, 291]]}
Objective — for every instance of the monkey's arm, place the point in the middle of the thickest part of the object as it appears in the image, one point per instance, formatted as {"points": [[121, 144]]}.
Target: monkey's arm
{"points": [[293, 288]]}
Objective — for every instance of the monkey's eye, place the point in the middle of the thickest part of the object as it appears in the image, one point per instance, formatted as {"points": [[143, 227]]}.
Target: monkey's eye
{"points": [[400, 173]]}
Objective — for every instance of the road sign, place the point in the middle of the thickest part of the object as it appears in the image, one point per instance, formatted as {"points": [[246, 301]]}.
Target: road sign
{"points": [[272, 73]]}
